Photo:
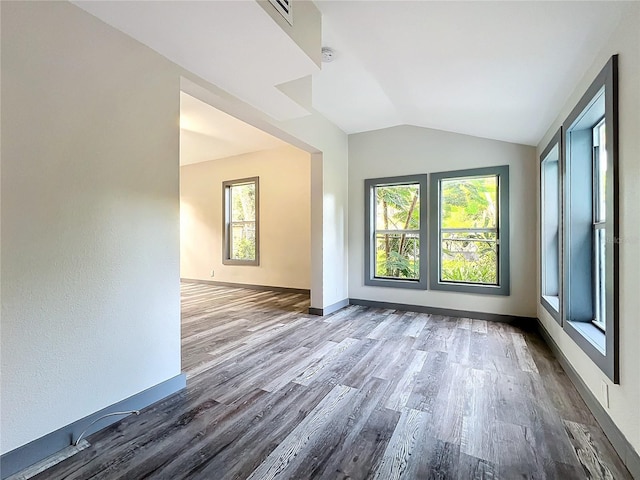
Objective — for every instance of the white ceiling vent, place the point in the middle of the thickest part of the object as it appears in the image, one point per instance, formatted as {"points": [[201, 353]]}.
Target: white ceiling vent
{"points": [[284, 7]]}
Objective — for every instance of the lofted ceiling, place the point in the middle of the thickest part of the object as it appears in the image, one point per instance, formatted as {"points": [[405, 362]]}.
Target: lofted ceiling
{"points": [[498, 70], [494, 69]]}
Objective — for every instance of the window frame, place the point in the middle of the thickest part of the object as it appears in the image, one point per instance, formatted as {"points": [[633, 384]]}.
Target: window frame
{"points": [[370, 233], [579, 286], [502, 237], [226, 221], [555, 143]]}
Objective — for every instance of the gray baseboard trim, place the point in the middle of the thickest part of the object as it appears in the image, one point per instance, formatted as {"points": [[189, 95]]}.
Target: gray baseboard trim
{"points": [[330, 309], [625, 450], [22, 457], [493, 317], [301, 291]]}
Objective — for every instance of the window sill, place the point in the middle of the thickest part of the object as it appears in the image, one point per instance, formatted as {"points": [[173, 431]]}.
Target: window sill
{"points": [[388, 282], [551, 304], [553, 301], [592, 334], [248, 263], [478, 289]]}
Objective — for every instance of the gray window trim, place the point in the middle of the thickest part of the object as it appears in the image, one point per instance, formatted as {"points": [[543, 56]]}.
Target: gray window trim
{"points": [[369, 240], [226, 214], [555, 312], [503, 287], [601, 347]]}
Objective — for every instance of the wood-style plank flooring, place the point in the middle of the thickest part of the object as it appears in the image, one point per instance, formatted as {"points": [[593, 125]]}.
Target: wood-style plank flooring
{"points": [[273, 392]]}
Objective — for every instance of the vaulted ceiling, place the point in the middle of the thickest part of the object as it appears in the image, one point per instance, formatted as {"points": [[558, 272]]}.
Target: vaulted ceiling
{"points": [[498, 70]]}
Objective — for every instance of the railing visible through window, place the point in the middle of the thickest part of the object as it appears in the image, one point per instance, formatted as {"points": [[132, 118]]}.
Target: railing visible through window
{"points": [[469, 240], [397, 231]]}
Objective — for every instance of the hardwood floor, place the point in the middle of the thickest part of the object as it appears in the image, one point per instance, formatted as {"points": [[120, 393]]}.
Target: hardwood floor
{"points": [[365, 393]]}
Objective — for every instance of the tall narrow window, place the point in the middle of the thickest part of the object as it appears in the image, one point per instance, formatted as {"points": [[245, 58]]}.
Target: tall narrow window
{"points": [[469, 231], [550, 288], [396, 232], [590, 260], [241, 231]]}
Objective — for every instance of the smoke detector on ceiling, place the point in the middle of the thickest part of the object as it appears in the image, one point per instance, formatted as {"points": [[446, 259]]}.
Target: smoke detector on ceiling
{"points": [[327, 55]]}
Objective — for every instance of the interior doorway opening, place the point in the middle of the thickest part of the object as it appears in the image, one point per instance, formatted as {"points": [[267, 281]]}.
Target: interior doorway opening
{"points": [[245, 224]]}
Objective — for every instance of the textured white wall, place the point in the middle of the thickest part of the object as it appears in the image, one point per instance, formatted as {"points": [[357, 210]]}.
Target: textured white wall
{"points": [[624, 399], [285, 248], [90, 218], [409, 150]]}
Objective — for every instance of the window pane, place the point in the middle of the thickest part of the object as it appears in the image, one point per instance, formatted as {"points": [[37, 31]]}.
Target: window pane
{"points": [[395, 230], [243, 241], [550, 218], [469, 257], [469, 202], [398, 207], [600, 142], [243, 202], [397, 255], [599, 277]]}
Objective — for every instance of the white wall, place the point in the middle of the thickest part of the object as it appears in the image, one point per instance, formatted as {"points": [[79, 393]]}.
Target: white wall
{"points": [[285, 197], [624, 398], [90, 217], [409, 150]]}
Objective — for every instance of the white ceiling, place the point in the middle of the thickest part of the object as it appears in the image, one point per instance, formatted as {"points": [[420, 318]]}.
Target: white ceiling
{"points": [[498, 70], [209, 134], [492, 69], [233, 44]]}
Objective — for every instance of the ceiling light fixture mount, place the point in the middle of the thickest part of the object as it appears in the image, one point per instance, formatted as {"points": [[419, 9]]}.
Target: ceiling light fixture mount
{"points": [[327, 55]]}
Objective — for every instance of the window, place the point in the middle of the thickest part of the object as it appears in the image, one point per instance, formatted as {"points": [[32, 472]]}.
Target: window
{"points": [[395, 230], [550, 277], [241, 226], [469, 231], [591, 226]]}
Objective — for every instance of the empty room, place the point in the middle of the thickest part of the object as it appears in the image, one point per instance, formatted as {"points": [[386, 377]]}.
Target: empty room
{"points": [[348, 239]]}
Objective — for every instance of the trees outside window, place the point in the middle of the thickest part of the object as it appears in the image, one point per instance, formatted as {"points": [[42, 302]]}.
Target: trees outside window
{"points": [[395, 231], [469, 231], [240, 201]]}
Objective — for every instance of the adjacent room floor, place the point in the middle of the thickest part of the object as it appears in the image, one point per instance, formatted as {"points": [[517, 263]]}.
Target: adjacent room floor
{"points": [[273, 392]]}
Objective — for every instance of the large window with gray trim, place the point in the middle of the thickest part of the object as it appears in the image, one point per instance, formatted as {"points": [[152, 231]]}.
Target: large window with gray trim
{"points": [[395, 231], [241, 200], [550, 230], [469, 231], [591, 235]]}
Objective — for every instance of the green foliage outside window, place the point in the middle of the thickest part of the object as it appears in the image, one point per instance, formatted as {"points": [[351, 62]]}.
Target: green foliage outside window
{"points": [[397, 253], [469, 222], [243, 225]]}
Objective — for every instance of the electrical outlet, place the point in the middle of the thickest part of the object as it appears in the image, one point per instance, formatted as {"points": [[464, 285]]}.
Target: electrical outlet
{"points": [[604, 390], [213, 272]]}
